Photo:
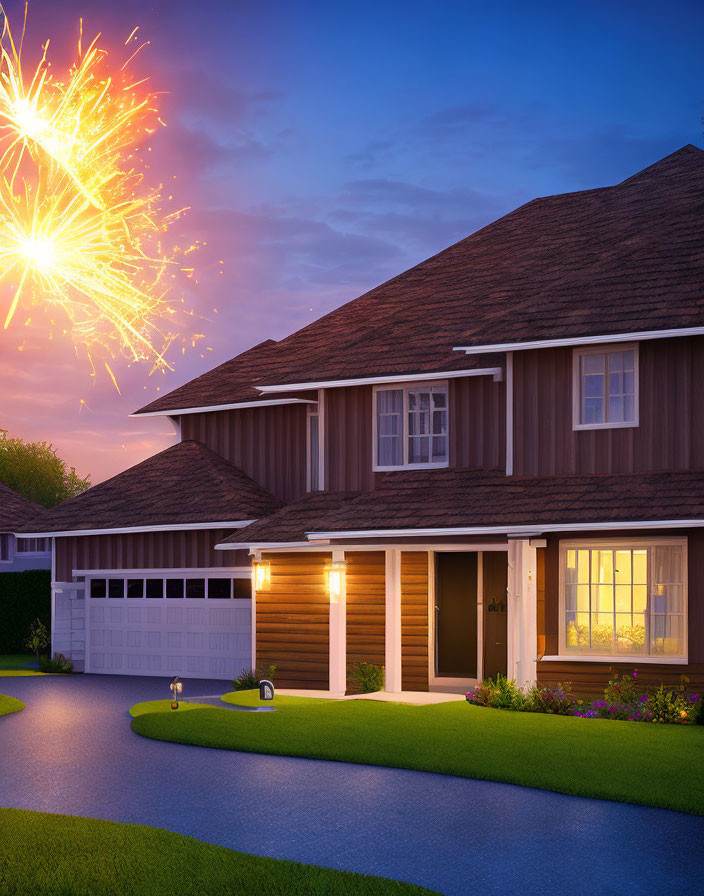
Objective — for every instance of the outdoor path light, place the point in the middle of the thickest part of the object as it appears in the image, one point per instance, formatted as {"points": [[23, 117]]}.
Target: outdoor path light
{"points": [[176, 687]]}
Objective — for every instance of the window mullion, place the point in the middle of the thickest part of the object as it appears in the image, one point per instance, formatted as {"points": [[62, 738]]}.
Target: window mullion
{"points": [[405, 427]]}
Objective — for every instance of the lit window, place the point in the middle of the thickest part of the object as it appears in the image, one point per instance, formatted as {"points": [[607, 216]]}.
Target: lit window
{"points": [[606, 393], [411, 427], [624, 600]]}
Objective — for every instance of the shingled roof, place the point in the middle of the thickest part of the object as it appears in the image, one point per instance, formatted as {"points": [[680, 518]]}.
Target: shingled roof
{"points": [[16, 511], [447, 499], [619, 259], [187, 483]]}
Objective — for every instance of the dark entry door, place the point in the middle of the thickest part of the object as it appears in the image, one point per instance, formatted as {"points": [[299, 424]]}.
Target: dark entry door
{"points": [[495, 579], [456, 614]]}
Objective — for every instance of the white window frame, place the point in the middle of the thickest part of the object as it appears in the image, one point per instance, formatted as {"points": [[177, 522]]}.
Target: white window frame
{"points": [[621, 544], [577, 354], [316, 410], [35, 553], [10, 543], [405, 388], [125, 574]]}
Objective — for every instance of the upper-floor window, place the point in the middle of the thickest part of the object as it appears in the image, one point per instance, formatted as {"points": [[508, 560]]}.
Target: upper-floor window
{"points": [[411, 427], [624, 599], [313, 472], [605, 387], [33, 545]]}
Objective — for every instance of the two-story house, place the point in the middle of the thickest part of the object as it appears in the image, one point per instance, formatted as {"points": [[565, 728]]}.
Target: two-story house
{"points": [[491, 463], [19, 554]]}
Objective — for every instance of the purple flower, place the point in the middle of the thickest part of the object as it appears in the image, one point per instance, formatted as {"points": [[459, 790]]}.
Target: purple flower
{"points": [[694, 697], [635, 673], [644, 698]]}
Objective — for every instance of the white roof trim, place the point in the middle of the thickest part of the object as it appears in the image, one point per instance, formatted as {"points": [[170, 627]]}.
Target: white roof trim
{"points": [[495, 372], [160, 527], [526, 531], [578, 340], [239, 546], [235, 406]]}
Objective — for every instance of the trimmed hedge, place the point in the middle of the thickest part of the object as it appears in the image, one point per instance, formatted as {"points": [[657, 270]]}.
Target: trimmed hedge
{"points": [[24, 597]]}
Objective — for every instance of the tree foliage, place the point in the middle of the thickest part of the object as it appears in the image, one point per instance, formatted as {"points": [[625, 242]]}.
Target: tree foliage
{"points": [[36, 471]]}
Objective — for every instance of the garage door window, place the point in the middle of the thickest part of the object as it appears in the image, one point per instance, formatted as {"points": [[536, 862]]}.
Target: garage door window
{"points": [[195, 588], [216, 588], [97, 588], [174, 588], [116, 587], [135, 587], [154, 587]]}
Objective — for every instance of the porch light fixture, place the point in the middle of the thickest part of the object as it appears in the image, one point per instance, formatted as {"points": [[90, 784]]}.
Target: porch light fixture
{"points": [[176, 688], [336, 579], [261, 574]]}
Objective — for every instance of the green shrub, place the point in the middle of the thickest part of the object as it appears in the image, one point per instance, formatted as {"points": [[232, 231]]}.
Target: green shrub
{"points": [[672, 706], [623, 689], [249, 680], [24, 596], [500, 693], [558, 701], [369, 677], [59, 663], [38, 638]]}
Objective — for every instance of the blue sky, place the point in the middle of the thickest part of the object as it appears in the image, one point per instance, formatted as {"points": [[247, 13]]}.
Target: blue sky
{"points": [[324, 147]]}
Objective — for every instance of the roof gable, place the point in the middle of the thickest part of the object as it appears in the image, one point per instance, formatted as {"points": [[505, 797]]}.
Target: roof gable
{"points": [[15, 510]]}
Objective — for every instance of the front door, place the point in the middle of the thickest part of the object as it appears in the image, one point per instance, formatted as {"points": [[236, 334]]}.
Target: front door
{"points": [[495, 579], [456, 614]]}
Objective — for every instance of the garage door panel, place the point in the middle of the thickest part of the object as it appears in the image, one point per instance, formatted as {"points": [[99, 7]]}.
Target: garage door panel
{"points": [[189, 637]]}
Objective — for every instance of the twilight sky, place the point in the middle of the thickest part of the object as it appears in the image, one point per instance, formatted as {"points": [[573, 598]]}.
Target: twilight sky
{"points": [[324, 147]]}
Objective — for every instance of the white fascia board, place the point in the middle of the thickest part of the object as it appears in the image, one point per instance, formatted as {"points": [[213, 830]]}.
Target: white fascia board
{"points": [[578, 340], [495, 372], [532, 531], [161, 527], [235, 406], [256, 545]]}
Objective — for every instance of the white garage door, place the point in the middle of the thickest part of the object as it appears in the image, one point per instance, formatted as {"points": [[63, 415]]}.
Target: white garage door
{"points": [[203, 633]]}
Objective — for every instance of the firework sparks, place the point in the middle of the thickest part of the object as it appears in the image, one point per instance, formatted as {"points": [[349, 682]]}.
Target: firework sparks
{"points": [[79, 230]]}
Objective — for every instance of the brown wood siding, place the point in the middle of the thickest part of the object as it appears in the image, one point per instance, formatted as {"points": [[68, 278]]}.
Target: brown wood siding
{"points": [[540, 597], [670, 434], [414, 620], [366, 610], [269, 444], [590, 678], [144, 550], [477, 423], [293, 621], [348, 439]]}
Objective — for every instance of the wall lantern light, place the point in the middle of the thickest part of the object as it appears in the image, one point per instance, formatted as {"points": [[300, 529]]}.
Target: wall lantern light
{"points": [[176, 687], [261, 574], [336, 579]]}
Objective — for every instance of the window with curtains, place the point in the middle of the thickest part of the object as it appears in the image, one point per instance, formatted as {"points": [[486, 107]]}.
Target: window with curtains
{"points": [[411, 427], [605, 388], [624, 599]]}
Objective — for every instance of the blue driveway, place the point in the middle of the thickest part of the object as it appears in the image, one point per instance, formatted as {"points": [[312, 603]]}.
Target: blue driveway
{"points": [[72, 751]]}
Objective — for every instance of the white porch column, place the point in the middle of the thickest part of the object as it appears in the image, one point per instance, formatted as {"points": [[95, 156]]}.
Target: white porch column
{"points": [[338, 635], [393, 621], [522, 608]]}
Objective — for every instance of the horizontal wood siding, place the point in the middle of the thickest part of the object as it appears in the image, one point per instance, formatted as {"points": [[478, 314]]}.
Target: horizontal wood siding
{"points": [[366, 613], [414, 620], [477, 423], [269, 444], [293, 621], [145, 550], [670, 435], [590, 678], [348, 439]]}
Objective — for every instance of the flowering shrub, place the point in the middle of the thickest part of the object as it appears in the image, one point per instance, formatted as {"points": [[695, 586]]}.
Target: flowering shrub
{"points": [[624, 700], [558, 700], [500, 693]]}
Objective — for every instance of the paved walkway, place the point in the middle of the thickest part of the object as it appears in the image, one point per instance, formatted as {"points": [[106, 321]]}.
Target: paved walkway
{"points": [[72, 751]]}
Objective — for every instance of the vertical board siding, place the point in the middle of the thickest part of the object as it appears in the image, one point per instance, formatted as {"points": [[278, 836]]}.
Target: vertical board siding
{"points": [[414, 620], [348, 439], [144, 550], [590, 678], [670, 434], [477, 423], [293, 621], [366, 610], [269, 444], [540, 598]]}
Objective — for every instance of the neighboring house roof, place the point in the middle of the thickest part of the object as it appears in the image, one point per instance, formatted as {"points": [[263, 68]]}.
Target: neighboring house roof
{"points": [[183, 485], [621, 259], [15, 510], [447, 499]]}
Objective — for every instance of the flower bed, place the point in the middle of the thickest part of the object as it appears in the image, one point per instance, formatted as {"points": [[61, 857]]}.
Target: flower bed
{"points": [[624, 700]]}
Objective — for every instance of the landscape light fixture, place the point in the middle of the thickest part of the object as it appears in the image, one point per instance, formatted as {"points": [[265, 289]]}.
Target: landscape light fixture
{"points": [[176, 687]]}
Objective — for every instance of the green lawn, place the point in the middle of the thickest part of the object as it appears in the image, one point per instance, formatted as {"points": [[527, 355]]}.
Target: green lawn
{"points": [[60, 855], [16, 664], [656, 765], [9, 704]]}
